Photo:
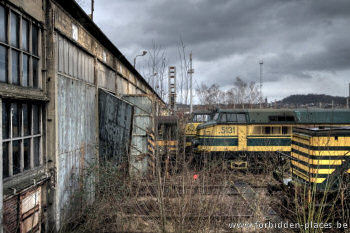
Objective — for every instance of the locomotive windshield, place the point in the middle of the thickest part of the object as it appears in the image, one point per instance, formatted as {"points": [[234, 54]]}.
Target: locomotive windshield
{"points": [[233, 117], [201, 118], [216, 116]]}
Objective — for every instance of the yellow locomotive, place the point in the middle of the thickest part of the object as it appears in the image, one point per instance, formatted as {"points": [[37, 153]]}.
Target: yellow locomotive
{"points": [[234, 134], [167, 137], [197, 118], [320, 155]]}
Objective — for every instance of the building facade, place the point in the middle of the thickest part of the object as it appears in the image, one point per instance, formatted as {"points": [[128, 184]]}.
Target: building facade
{"points": [[53, 62]]}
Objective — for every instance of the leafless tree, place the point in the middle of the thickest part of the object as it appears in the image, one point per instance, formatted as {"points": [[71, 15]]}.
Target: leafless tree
{"points": [[183, 85], [210, 95], [157, 69], [241, 93]]}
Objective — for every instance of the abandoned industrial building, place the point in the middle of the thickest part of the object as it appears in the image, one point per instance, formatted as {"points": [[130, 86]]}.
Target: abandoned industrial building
{"points": [[68, 98]]}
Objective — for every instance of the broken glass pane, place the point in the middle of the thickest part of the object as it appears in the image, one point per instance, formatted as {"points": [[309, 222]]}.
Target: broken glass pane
{"points": [[36, 129], [16, 157], [36, 152], [26, 154], [26, 119], [35, 40], [16, 120], [5, 121], [35, 73], [5, 159]]}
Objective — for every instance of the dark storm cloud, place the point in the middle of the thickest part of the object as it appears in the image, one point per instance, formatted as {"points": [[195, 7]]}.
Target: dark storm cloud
{"points": [[295, 38]]}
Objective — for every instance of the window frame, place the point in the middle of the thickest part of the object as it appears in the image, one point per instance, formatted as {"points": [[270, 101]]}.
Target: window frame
{"points": [[22, 137], [9, 47]]}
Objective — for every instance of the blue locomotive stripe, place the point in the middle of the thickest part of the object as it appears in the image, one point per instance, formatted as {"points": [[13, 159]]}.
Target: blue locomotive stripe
{"points": [[218, 141], [268, 136], [268, 141]]}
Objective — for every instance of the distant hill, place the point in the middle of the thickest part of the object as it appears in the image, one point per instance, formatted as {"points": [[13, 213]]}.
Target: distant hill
{"points": [[313, 99]]}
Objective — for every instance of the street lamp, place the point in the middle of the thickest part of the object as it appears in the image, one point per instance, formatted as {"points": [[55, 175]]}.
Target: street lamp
{"points": [[143, 54]]}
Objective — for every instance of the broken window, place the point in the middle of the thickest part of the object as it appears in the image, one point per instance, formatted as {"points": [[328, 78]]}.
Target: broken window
{"points": [[35, 40], [16, 48], [21, 130], [35, 73]]}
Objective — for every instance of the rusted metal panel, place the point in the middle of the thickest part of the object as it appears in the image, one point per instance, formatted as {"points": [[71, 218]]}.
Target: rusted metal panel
{"points": [[76, 139], [106, 77], [142, 127], [115, 124], [1, 169], [122, 86], [73, 61]]}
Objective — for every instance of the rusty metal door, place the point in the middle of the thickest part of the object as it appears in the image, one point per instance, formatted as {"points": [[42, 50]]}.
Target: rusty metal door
{"points": [[115, 127], [30, 211]]}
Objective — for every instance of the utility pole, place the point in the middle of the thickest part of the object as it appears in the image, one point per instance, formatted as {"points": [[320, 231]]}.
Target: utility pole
{"points": [[92, 9], [191, 71], [261, 66]]}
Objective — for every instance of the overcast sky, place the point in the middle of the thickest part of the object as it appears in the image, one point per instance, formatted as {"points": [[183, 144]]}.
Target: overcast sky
{"points": [[304, 44]]}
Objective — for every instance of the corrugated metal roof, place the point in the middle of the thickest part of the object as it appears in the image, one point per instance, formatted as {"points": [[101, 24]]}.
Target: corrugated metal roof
{"points": [[290, 116], [320, 131], [339, 116]]}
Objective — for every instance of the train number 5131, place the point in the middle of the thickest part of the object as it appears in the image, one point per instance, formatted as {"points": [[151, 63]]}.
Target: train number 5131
{"points": [[227, 130]]}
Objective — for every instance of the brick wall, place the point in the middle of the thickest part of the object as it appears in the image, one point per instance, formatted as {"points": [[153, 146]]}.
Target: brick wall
{"points": [[11, 215]]}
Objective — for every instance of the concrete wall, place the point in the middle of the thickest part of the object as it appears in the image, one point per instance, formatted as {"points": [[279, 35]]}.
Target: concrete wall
{"points": [[142, 127]]}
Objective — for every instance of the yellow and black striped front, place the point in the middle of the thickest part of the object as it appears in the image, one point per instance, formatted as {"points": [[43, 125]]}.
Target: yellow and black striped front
{"points": [[320, 155], [167, 146]]}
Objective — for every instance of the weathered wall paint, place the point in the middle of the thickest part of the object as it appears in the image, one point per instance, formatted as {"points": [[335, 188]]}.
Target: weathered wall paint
{"points": [[73, 61], [77, 144], [143, 124], [106, 77], [115, 124], [1, 182]]}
